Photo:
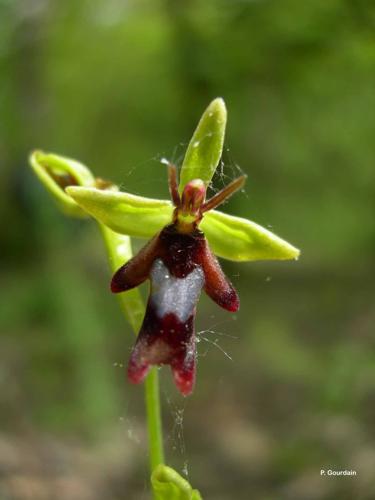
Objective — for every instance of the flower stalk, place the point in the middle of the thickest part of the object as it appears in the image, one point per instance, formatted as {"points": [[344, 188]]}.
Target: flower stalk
{"points": [[154, 421]]}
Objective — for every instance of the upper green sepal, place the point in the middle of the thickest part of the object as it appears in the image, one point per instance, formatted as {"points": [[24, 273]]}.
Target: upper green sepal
{"points": [[167, 484], [230, 237], [56, 173], [205, 148]]}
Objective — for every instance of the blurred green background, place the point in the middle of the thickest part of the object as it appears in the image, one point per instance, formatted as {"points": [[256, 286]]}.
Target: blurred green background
{"points": [[119, 84]]}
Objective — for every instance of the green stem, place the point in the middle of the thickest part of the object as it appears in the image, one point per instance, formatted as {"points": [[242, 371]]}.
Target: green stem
{"points": [[154, 425], [119, 251]]}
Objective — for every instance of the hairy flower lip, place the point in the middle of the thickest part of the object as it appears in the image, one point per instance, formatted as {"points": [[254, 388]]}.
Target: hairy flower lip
{"points": [[179, 265], [164, 346]]}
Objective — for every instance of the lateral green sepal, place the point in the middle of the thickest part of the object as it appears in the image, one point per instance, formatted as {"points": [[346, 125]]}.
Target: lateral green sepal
{"points": [[123, 212], [239, 239]]}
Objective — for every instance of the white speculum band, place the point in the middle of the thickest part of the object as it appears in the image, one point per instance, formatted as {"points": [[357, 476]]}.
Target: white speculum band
{"points": [[174, 295]]}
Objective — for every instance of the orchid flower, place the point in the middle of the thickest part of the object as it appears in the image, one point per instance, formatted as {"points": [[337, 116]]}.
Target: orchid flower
{"points": [[179, 259]]}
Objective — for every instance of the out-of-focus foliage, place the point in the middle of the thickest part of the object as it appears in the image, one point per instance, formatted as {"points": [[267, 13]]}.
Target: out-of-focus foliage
{"points": [[119, 85]]}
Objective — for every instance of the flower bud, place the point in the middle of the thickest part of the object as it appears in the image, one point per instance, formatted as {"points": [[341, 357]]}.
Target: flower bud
{"points": [[167, 483], [57, 173]]}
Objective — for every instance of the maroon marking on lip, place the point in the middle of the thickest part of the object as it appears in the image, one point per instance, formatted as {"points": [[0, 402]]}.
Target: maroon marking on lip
{"points": [[165, 341]]}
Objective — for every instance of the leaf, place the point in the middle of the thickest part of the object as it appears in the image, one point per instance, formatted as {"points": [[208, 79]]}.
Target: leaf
{"points": [[123, 212], [239, 239], [167, 484], [56, 173], [205, 148]]}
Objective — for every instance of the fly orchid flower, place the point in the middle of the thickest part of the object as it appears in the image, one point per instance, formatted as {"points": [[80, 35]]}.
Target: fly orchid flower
{"points": [[178, 259], [179, 263]]}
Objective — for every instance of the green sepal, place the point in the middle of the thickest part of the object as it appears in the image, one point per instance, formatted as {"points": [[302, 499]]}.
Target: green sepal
{"points": [[56, 173], [167, 484], [205, 148], [230, 237], [239, 239], [123, 212]]}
